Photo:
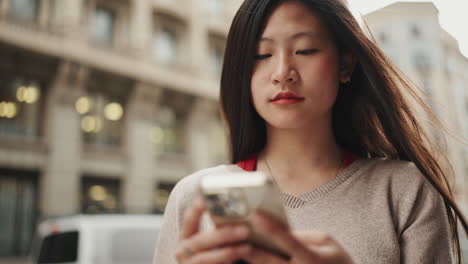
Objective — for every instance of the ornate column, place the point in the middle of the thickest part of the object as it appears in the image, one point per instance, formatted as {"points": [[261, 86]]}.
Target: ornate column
{"points": [[198, 39], [139, 184], [199, 123], [68, 17], [44, 15], [4, 5], [141, 25], [60, 182]]}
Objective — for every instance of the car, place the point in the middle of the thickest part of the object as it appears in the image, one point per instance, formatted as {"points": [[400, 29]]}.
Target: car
{"points": [[98, 239]]}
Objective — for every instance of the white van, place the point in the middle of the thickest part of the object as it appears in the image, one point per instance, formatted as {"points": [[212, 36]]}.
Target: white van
{"points": [[98, 239]]}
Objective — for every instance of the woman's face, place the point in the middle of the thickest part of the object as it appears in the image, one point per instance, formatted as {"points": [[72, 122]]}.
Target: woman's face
{"points": [[297, 71]]}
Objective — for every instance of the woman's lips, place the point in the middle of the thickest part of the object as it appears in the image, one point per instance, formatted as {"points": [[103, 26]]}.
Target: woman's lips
{"points": [[286, 98], [287, 101]]}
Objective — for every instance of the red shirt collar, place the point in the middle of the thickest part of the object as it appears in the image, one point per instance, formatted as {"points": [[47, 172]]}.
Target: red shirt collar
{"points": [[250, 164]]}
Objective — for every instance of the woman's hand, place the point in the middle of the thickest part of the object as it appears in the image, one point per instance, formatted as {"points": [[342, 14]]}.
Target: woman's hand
{"points": [[222, 245], [312, 247]]}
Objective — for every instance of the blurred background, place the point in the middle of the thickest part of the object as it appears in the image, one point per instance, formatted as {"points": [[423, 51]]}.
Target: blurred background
{"points": [[106, 104]]}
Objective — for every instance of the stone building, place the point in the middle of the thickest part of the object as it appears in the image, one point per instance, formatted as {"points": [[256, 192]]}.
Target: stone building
{"points": [[104, 106], [411, 35]]}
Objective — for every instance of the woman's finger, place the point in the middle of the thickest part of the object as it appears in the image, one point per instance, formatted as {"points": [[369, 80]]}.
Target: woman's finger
{"points": [[192, 218], [220, 237], [281, 236], [221, 255]]}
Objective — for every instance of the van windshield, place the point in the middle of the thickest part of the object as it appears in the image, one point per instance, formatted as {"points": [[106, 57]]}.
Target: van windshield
{"points": [[59, 248]]}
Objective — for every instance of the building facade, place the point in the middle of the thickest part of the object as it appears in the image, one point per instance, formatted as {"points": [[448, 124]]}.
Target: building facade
{"points": [[411, 36], [104, 106]]}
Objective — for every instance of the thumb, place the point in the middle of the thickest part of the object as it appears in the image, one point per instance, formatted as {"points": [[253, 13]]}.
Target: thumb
{"points": [[282, 237]]}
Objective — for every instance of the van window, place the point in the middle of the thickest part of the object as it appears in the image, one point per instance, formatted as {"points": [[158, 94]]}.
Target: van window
{"points": [[58, 248]]}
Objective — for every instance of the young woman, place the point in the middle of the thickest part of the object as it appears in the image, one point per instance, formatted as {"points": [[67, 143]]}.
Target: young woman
{"points": [[314, 103]]}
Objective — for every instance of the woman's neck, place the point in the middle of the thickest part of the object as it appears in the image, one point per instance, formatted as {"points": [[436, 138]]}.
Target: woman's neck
{"points": [[301, 155]]}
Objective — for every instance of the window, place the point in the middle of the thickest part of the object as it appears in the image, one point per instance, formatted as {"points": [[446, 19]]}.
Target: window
{"points": [[446, 59], [163, 189], [168, 35], [169, 130], [102, 109], [421, 60], [102, 26], [101, 119], [20, 106], [59, 248], [166, 134], [18, 196], [415, 31], [383, 37], [217, 61], [164, 47], [24, 9], [217, 45], [100, 195]]}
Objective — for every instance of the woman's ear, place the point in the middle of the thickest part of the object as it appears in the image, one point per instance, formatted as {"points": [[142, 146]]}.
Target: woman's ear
{"points": [[347, 65]]}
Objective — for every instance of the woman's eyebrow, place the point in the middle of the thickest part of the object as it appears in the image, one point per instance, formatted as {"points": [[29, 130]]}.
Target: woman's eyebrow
{"points": [[304, 34], [294, 36]]}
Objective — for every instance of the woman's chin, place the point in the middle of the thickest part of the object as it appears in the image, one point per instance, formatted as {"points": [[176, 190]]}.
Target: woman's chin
{"points": [[288, 123]]}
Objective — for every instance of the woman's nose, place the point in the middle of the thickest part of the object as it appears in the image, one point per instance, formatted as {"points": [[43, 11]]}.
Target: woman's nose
{"points": [[284, 72]]}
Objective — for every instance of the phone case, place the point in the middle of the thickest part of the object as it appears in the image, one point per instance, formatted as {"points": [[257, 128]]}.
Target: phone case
{"points": [[233, 198]]}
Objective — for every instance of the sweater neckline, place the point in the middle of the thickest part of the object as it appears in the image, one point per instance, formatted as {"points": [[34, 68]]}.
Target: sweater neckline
{"points": [[323, 190], [352, 164]]}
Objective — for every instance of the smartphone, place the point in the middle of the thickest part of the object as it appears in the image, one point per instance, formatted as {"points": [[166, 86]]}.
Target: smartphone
{"points": [[234, 198]]}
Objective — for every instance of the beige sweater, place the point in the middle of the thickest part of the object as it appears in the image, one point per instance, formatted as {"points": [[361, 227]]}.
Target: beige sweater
{"points": [[380, 211]]}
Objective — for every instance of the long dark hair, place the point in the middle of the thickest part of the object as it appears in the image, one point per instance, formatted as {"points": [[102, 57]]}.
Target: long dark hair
{"points": [[372, 119]]}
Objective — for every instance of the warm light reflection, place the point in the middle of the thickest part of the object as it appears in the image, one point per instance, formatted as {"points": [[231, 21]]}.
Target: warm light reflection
{"points": [[83, 105], [28, 94], [32, 94], [113, 111], [8, 109], [156, 135], [21, 93], [97, 193], [91, 124]]}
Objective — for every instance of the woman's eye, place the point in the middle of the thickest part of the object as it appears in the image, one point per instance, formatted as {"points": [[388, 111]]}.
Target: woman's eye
{"points": [[262, 56], [306, 52]]}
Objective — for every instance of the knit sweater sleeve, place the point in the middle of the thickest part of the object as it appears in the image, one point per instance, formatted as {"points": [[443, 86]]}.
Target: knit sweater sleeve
{"points": [[180, 198], [424, 230], [169, 233]]}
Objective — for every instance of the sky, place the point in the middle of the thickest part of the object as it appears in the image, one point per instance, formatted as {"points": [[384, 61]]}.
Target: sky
{"points": [[453, 15]]}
